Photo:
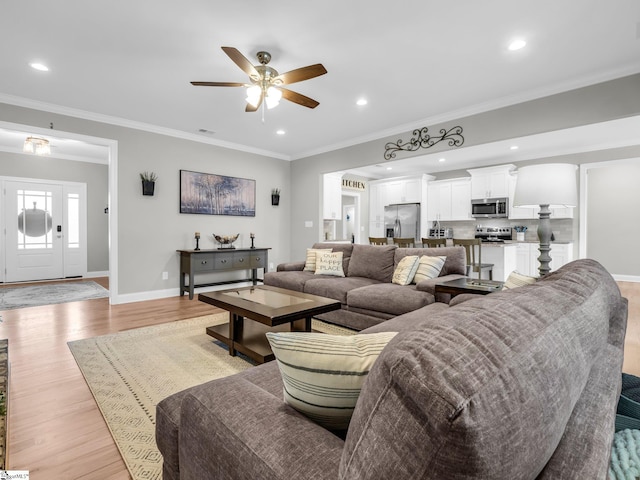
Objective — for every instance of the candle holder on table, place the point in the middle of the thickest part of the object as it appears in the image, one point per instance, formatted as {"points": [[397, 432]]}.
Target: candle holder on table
{"points": [[197, 237], [252, 236]]}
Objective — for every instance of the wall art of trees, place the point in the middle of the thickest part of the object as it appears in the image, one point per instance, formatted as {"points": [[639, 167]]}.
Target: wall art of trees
{"points": [[211, 194]]}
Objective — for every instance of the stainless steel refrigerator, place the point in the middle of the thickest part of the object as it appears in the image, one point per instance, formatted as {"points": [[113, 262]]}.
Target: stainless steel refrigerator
{"points": [[402, 220]]}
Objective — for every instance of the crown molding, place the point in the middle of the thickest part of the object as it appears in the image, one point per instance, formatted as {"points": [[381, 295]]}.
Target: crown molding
{"points": [[123, 122]]}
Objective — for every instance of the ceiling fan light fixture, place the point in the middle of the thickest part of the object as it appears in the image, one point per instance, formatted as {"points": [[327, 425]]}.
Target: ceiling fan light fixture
{"points": [[273, 97], [254, 92], [39, 146]]}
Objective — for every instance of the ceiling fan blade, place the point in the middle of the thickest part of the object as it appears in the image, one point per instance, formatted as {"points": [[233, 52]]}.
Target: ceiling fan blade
{"points": [[218, 84], [299, 98], [242, 61], [251, 108], [299, 74]]}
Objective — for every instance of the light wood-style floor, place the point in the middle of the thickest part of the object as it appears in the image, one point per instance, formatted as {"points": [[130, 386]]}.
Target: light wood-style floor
{"points": [[56, 429]]}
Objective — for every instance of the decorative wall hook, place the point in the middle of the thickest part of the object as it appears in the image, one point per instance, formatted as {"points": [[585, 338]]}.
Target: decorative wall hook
{"points": [[422, 139]]}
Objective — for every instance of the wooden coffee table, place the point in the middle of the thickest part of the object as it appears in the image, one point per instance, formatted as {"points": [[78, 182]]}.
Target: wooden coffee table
{"points": [[270, 308], [468, 285]]}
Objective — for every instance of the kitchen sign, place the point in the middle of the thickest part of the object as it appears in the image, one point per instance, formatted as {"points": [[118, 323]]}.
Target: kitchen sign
{"points": [[354, 184]]}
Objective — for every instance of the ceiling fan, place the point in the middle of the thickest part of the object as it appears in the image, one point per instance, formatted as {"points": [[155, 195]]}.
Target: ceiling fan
{"points": [[266, 82]]}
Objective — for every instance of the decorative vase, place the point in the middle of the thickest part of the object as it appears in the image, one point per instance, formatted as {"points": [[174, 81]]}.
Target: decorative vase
{"points": [[275, 199], [148, 187]]}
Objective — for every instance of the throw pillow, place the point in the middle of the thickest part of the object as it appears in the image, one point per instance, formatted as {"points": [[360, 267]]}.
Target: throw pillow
{"points": [[428, 267], [329, 264], [310, 262], [323, 374], [515, 280], [406, 269]]}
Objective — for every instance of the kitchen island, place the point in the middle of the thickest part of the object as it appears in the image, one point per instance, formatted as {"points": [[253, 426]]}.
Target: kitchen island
{"points": [[503, 256]]}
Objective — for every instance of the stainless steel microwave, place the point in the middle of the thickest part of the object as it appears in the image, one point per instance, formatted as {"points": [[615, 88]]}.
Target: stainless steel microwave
{"points": [[490, 208]]}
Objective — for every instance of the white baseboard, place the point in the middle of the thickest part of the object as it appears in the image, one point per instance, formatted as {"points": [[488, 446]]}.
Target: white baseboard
{"points": [[97, 274], [626, 278]]}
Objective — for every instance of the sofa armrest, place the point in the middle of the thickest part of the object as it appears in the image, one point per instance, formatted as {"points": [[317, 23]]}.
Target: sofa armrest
{"points": [[430, 284], [291, 266], [231, 429]]}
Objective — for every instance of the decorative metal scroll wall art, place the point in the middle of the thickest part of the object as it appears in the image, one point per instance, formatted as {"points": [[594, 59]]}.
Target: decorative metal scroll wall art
{"points": [[422, 139]]}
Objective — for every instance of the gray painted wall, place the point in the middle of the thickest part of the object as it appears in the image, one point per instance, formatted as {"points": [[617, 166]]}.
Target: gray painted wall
{"points": [[613, 218], [96, 178], [151, 229]]}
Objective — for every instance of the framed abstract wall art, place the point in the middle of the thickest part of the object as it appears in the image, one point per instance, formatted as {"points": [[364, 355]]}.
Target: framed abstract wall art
{"points": [[209, 194]]}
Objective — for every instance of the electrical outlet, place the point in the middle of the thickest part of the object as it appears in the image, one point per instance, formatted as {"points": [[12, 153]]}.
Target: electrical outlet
{"points": [[165, 275]]}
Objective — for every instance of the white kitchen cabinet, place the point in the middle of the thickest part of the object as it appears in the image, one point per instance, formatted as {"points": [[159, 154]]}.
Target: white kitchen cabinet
{"points": [[449, 200], [332, 196], [376, 207], [406, 190], [376, 229], [461, 199], [504, 259], [490, 182], [528, 253]]}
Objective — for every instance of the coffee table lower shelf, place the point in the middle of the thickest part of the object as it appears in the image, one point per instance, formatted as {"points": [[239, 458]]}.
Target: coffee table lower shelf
{"points": [[251, 339]]}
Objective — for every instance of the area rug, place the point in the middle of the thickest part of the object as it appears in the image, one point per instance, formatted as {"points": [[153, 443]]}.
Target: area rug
{"points": [[130, 372], [36, 295]]}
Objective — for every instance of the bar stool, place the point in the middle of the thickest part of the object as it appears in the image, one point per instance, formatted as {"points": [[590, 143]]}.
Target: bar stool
{"points": [[403, 242], [434, 242], [377, 240], [470, 247]]}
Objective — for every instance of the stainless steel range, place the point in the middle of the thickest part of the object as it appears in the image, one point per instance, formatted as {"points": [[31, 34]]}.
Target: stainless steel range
{"points": [[494, 234]]}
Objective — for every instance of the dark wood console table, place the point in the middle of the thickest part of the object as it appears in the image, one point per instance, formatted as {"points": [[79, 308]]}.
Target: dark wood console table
{"points": [[194, 262]]}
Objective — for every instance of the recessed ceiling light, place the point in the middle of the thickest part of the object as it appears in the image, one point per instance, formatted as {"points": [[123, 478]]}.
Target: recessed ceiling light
{"points": [[39, 66], [517, 44], [442, 160], [389, 168], [362, 101], [513, 147], [280, 132]]}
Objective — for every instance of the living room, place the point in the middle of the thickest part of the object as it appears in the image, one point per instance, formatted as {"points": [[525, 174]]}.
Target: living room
{"points": [[144, 232]]}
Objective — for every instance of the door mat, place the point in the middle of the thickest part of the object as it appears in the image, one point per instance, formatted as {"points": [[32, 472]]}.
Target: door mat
{"points": [[36, 295]]}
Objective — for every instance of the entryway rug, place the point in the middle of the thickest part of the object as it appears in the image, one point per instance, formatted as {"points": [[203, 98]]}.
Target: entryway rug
{"points": [[130, 372], [36, 295]]}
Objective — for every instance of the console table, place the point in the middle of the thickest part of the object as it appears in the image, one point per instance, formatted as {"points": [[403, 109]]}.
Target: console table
{"points": [[194, 262]]}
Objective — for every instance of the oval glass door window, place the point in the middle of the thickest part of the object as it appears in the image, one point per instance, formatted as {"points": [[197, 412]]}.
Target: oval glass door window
{"points": [[34, 222]]}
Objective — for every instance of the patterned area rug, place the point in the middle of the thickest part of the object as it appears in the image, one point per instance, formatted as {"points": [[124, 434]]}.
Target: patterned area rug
{"points": [[130, 372], [36, 295]]}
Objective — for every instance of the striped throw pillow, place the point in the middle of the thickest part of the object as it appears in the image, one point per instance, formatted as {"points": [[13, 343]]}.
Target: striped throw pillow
{"points": [[406, 270], [515, 280], [310, 262], [323, 374], [428, 267]]}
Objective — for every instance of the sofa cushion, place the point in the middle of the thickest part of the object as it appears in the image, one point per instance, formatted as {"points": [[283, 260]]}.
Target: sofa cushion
{"points": [[329, 264], [454, 264], [405, 270], [372, 261], [428, 267], [345, 248], [335, 287], [323, 374], [389, 298], [515, 280], [488, 389], [292, 280], [312, 255]]}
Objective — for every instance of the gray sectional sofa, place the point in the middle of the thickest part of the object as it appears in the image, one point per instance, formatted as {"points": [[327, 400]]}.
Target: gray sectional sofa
{"points": [[367, 295], [519, 384]]}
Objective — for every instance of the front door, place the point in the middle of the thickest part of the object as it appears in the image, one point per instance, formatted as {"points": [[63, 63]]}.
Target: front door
{"points": [[33, 217]]}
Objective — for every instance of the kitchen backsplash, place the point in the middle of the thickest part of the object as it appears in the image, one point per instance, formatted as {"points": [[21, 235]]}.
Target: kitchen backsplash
{"points": [[561, 228]]}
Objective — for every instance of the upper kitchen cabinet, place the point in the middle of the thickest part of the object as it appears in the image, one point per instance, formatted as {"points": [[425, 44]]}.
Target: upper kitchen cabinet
{"points": [[449, 200], [396, 190], [332, 196], [491, 182]]}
